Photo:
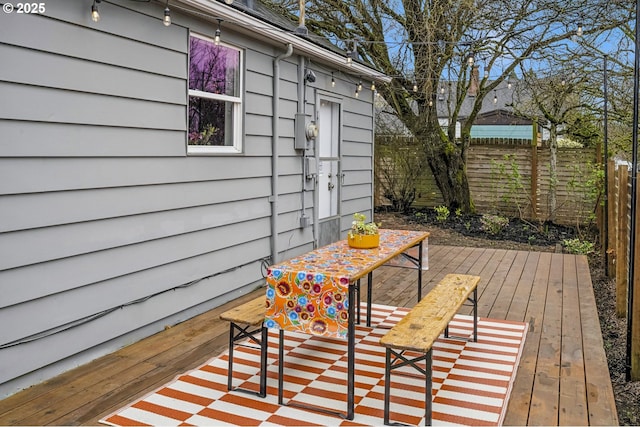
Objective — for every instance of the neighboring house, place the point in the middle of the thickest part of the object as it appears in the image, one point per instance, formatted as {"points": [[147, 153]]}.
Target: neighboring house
{"points": [[149, 173], [500, 125], [496, 120]]}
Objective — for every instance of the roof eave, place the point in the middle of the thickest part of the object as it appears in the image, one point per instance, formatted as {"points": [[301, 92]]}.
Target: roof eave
{"points": [[302, 46]]}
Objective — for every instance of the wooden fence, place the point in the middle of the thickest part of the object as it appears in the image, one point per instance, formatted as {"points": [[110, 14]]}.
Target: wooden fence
{"points": [[617, 252], [514, 180]]}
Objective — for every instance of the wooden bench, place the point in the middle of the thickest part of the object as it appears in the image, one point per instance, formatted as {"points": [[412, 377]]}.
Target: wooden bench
{"points": [[246, 321], [421, 327]]}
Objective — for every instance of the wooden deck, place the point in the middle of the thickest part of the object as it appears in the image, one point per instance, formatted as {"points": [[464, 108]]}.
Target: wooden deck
{"points": [[563, 377]]}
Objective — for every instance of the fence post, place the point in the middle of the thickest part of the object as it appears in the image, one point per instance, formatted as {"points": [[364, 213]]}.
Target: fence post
{"points": [[610, 234], [633, 318], [622, 246]]}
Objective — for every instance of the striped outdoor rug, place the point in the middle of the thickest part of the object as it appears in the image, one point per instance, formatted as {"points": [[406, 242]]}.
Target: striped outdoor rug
{"points": [[471, 381]]}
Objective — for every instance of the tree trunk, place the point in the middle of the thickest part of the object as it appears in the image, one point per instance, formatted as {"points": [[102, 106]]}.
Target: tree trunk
{"points": [[450, 173], [553, 172]]}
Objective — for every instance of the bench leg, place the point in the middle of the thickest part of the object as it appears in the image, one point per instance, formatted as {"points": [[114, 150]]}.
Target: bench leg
{"points": [[232, 341], [387, 385], [241, 334], [475, 314], [403, 361], [474, 302], [428, 399]]}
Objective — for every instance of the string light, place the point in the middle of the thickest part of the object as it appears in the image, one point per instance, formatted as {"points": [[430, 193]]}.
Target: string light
{"points": [[216, 39], [333, 81], [95, 15], [373, 86], [360, 86], [579, 31], [495, 97], [509, 84], [167, 15], [349, 59], [415, 87], [357, 92]]}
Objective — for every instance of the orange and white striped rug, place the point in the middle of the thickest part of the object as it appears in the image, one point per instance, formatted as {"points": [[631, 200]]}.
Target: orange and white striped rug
{"points": [[471, 381]]}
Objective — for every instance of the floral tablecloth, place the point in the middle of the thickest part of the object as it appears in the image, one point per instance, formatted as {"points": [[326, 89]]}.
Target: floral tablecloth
{"points": [[310, 293]]}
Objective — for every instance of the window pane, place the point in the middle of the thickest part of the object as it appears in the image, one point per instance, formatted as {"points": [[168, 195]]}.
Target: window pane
{"points": [[210, 122], [214, 69]]}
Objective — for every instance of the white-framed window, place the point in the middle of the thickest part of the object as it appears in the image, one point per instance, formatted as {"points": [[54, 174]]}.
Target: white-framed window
{"points": [[215, 97]]}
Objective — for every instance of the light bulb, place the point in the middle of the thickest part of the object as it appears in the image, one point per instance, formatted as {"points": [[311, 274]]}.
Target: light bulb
{"points": [[95, 16], [216, 39], [167, 17], [509, 84], [360, 86], [349, 59], [415, 88], [579, 31], [373, 86], [333, 81], [228, 1]]}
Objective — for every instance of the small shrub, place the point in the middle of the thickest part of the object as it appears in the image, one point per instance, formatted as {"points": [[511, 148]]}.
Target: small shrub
{"points": [[493, 224], [458, 212], [442, 213], [578, 247]]}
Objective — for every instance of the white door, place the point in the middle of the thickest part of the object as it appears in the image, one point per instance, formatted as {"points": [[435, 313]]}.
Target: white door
{"points": [[329, 173]]}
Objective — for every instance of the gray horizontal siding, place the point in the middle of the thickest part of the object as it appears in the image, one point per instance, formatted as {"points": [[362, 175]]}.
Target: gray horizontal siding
{"points": [[22, 211], [64, 241], [23, 102], [41, 139], [95, 44], [350, 192], [126, 273], [25, 358], [80, 75], [122, 23], [16, 175]]}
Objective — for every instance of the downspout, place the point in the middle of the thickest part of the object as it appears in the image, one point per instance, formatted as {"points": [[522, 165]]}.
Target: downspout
{"points": [[302, 89], [275, 154]]}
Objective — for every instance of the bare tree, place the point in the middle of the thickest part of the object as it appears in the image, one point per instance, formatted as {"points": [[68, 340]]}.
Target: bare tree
{"points": [[553, 99], [425, 44]]}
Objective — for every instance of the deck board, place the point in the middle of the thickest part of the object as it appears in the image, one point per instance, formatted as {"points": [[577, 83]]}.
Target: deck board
{"points": [[562, 378]]}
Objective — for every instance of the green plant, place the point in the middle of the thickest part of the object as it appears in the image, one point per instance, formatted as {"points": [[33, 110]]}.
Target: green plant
{"points": [[359, 226], [578, 246], [493, 224], [458, 212], [442, 213]]}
